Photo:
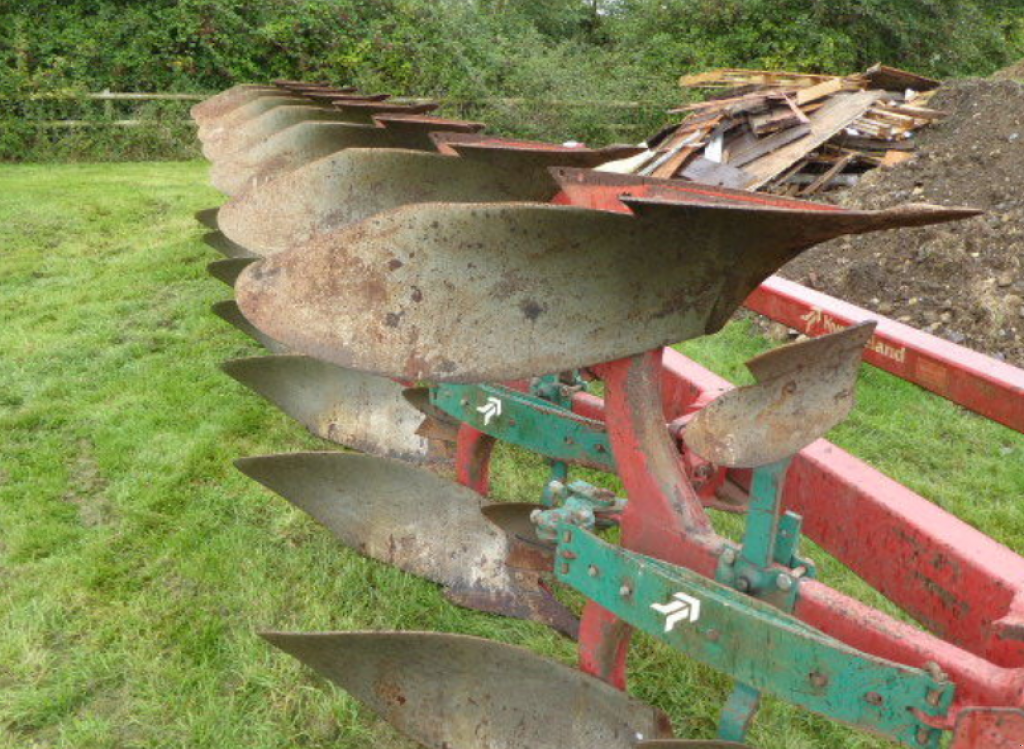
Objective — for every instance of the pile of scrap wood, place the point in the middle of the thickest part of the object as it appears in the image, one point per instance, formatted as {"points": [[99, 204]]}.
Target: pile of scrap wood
{"points": [[790, 133]]}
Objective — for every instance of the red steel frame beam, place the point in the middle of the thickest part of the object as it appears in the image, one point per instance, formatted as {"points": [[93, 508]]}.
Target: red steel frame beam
{"points": [[977, 382]]}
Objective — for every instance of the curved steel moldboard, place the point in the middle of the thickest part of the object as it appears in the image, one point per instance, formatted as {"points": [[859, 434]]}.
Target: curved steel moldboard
{"points": [[306, 142], [515, 518], [218, 105], [803, 390], [228, 312], [512, 153], [365, 110], [217, 241], [417, 521], [361, 411], [214, 130], [491, 293], [227, 271], [590, 188], [458, 692], [419, 398], [208, 218], [251, 133], [421, 125], [312, 86], [356, 183], [333, 96]]}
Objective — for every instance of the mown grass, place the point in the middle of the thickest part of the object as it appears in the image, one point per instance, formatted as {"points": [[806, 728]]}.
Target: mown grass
{"points": [[137, 564]]}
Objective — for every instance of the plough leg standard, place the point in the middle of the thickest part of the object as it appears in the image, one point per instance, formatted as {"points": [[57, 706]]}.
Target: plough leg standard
{"points": [[628, 267]]}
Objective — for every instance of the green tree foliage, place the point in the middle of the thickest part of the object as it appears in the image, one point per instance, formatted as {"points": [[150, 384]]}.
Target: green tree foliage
{"points": [[468, 50]]}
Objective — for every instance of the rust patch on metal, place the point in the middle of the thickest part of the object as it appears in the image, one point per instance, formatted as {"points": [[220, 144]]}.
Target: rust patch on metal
{"points": [[802, 391]]}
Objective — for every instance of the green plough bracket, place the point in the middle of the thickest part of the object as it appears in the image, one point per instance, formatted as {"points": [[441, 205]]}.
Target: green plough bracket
{"points": [[753, 642], [526, 420]]}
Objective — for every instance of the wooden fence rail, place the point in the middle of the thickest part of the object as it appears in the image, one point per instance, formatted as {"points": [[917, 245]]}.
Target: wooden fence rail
{"points": [[110, 97]]}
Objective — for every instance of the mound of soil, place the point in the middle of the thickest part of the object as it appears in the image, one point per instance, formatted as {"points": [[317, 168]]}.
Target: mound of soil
{"points": [[1013, 73], [962, 281]]}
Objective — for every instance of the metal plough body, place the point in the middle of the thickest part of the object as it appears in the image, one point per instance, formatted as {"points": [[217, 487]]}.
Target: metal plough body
{"points": [[305, 142], [438, 287]]}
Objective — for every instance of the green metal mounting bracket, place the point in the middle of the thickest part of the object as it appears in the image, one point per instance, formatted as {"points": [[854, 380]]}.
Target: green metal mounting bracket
{"points": [[529, 421], [558, 388], [766, 565], [763, 648], [578, 504]]}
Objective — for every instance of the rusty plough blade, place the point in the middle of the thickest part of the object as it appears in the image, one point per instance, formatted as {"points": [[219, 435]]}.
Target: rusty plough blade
{"points": [[213, 130], [543, 288], [802, 391], [306, 142], [354, 184], [216, 241], [208, 218], [209, 110], [228, 312], [215, 107], [252, 132], [249, 126], [360, 411], [424, 285], [457, 692], [228, 270], [418, 522]]}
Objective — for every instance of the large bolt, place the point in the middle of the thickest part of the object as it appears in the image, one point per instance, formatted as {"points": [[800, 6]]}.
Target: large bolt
{"points": [[785, 582], [593, 571], [729, 556], [742, 584]]}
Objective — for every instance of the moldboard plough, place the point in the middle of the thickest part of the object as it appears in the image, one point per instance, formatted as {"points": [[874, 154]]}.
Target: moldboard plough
{"points": [[426, 291]]}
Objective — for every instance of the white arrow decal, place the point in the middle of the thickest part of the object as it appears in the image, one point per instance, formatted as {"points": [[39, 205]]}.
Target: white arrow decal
{"points": [[681, 608], [491, 409]]}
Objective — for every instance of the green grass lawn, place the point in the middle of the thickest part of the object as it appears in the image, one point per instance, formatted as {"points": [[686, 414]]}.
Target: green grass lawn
{"points": [[137, 564]]}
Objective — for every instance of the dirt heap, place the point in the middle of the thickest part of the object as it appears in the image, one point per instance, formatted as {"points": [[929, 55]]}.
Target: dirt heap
{"points": [[962, 281], [1013, 73]]}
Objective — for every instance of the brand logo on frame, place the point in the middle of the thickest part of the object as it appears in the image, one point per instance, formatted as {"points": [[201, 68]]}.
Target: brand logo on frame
{"points": [[682, 608]]}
